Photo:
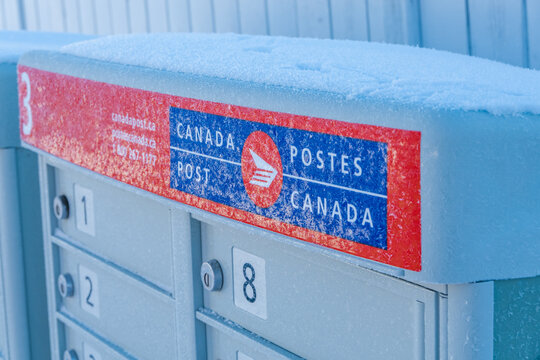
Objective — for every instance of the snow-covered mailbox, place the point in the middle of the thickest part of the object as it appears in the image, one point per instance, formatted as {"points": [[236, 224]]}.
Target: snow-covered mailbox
{"points": [[238, 197], [23, 320]]}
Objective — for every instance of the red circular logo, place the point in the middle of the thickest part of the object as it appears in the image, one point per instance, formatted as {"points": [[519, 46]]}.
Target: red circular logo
{"points": [[261, 169]]}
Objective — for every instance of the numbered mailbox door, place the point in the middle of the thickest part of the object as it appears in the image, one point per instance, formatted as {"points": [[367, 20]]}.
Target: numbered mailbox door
{"points": [[229, 341], [81, 345], [129, 230], [309, 304], [117, 307]]}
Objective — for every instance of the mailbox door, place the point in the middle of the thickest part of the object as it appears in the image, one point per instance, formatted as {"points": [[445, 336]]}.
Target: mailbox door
{"points": [[229, 341], [314, 306], [129, 257], [86, 346], [116, 306], [126, 229]]}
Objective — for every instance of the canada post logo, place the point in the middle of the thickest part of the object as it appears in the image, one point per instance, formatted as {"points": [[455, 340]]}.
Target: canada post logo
{"points": [[262, 172], [321, 182]]}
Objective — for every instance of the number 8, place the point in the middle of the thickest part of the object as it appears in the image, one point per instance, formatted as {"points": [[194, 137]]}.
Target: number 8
{"points": [[249, 282]]}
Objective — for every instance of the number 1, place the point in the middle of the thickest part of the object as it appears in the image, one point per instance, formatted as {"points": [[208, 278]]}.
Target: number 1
{"points": [[85, 214], [84, 210]]}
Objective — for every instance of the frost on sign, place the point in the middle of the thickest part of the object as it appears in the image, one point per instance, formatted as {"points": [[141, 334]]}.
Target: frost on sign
{"points": [[351, 187]]}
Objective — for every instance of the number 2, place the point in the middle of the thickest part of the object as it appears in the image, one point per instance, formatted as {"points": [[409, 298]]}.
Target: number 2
{"points": [[89, 294], [89, 291]]}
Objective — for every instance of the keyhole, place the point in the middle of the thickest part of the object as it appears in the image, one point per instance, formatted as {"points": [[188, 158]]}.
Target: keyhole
{"points": [[57, 208], [206, 280], [62, 288]]}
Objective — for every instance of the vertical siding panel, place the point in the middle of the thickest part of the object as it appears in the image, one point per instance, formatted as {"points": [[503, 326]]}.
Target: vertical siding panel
{"points": [[137, 16], [56, 13], [385, 21], [496, 28], [226, 16], [282, 18], [349, 19], [13, 15], [87, 17], [179, 16], [30, 15], [411, 13], [104, 19], [395, 21], [43, 15], [119, 14], [314, 18], [202, 15], [253, 16], [444, 25], [157, 16], [533, 21], [71, 8], [2, 15]]}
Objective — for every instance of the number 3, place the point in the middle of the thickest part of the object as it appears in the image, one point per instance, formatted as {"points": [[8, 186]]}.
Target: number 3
{"points": [[27, 127], [90, 353]]}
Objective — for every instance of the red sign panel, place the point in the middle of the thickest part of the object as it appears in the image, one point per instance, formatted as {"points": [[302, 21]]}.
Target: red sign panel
{"points": [[350, 187]]}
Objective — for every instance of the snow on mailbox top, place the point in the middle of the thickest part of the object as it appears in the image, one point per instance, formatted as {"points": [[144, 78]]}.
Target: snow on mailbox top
{"points": [[419, 159], [354, 69]]}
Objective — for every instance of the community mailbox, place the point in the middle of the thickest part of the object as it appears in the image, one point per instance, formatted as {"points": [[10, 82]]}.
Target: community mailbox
{"points": [[241, 197], [23, 320]]}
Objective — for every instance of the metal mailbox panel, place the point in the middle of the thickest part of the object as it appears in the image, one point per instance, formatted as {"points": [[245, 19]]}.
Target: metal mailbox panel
{"points": [[85, 345], [224, 348], [314, 306], [14, 342], [118, 307], [227, 340], [3, 332], [129, 230]]}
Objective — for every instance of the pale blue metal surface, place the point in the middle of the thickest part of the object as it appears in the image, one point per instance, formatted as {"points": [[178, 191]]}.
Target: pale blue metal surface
{"points": [[141, 265], [477, 247], [23, 326], [479, 226]]}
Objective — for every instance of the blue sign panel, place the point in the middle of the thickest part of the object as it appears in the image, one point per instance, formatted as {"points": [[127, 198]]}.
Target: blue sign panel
{"points": [[326, 183]]}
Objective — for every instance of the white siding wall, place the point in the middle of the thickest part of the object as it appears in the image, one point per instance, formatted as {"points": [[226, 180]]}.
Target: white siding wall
{"points": [[533, 22], [498, 30], [444, 25], [504, 30]]}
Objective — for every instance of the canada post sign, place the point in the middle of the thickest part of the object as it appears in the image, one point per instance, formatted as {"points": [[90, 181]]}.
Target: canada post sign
{"points": [[326, 183], [347, 186]]}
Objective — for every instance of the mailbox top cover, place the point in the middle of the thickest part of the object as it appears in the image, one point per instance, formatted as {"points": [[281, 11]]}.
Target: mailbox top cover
{"points": [[12, 45], [411, 161]]}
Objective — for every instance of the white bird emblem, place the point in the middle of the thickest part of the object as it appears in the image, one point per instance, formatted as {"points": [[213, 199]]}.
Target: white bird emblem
{"points": [[265, 173]]}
